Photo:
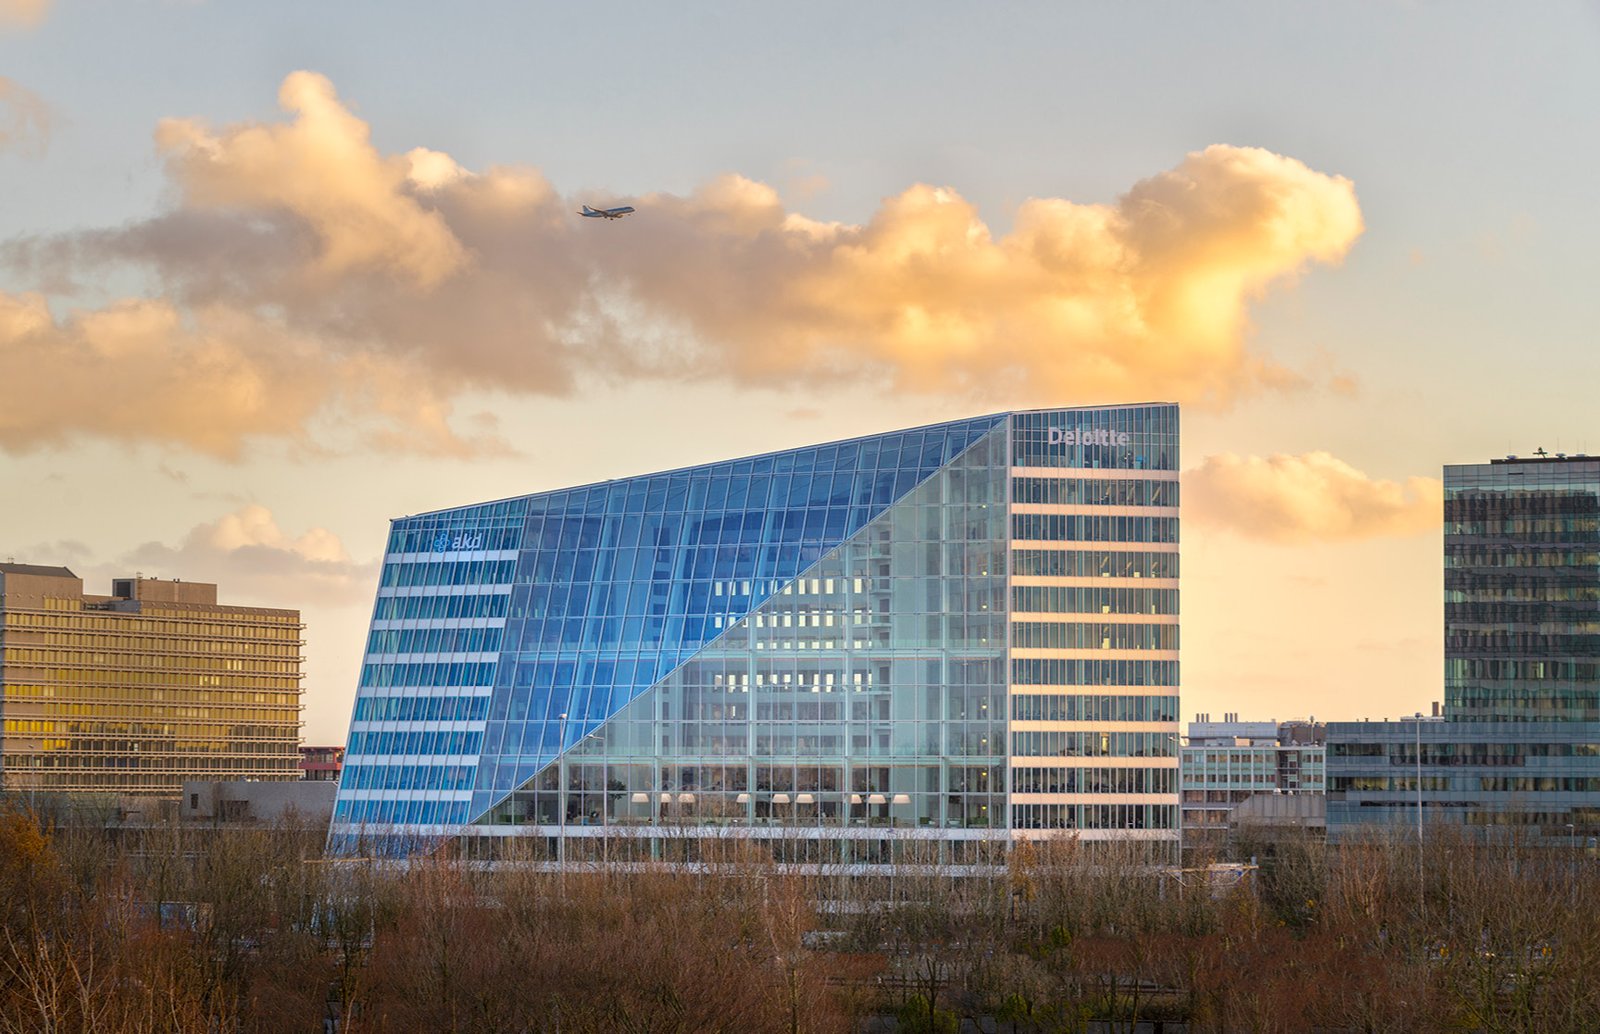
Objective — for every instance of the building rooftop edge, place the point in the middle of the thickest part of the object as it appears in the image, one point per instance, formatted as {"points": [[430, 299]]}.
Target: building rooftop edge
{"points": [[996, 416]]}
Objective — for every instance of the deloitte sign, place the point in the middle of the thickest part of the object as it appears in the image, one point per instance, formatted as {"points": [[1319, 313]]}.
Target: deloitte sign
{"points": [[1070, 436]]}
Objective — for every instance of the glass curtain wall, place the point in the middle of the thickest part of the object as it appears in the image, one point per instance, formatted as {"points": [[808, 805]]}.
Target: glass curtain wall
{"points": [[868, 692]]}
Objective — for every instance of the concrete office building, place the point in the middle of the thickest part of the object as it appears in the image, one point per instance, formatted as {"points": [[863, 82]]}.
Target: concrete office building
{"points": [[135, 692], [1518, 747], [1226, 763], [950, 637]]}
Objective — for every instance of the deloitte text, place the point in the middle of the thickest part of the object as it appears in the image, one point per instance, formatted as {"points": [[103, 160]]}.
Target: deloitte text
{"points": [[1068, 436]]}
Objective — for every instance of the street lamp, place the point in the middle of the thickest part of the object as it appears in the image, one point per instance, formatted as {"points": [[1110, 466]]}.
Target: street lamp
{"points": [[1421, 903], [1572, 861], [561, 800]]}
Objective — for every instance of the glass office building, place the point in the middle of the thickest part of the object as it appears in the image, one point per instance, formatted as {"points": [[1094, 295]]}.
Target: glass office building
{"points": [[929, 642], [1519, 744]]}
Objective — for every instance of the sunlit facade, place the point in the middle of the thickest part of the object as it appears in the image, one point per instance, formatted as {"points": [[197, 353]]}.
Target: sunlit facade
{"points": [[933, 641], [133, 693]]}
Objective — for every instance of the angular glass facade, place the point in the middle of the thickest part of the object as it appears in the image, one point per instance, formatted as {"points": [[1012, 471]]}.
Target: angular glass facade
{"points": [[1519, 743], [803, 649]]}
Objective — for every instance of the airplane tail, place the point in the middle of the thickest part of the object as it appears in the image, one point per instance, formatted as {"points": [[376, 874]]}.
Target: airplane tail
{"points": [[588, 211]]}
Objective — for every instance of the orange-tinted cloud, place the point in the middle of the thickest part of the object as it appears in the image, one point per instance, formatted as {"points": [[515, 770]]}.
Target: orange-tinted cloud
{"points": [[208, 378], [322, 169], [1307, 498], [306, 232], [251, 557], [23, 12], [24, 118]]}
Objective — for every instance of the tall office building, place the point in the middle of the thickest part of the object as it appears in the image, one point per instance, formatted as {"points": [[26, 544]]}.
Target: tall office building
{"points": [[952, 636], [133, 693], [1519, 743]]}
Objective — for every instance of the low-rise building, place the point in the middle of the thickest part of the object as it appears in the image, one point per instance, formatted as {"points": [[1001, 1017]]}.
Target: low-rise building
{"points": [[308, 801], [321, 764], [1224, 764]]}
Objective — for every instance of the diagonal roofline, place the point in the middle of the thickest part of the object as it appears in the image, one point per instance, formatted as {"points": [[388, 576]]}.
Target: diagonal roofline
{"points": [[812, 447], [498, 798], [997, 416]]}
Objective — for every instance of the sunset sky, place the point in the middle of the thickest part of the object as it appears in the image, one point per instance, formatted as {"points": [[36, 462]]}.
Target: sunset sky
{"points": [[271, 275]]}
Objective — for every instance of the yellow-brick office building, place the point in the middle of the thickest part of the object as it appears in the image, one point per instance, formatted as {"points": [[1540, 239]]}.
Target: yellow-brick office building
{"points": [[134, 692]]}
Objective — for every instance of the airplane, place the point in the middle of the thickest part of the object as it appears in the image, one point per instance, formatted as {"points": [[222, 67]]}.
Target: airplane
{"points": [[605, 213]]}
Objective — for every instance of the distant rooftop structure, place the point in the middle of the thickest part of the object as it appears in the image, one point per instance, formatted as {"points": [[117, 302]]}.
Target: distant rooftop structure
{"points": [[36, 570], [1541, 456]]}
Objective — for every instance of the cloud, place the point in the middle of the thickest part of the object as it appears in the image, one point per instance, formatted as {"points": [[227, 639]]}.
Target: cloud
{"points": [[23, 12], [321, 169], [24, 119], [250, 557], [1307, 498], [399, 281], [205, 377]]}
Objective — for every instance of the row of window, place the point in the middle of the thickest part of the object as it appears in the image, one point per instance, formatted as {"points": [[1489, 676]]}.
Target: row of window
{"points": [[1094, 744], [1094, 816], [435, 608], [1057, 707], [169, 752], [162, 645], [1069, 779], [1058, 527], [1066, 599], [1464, 669], [435, 640], [145, 685], [1517, 555], [453, 572], [260, 626], [1056, 635], [455, 708], [424, 813], [1529, 529], [1053, 671], [109, 712], [1489, 784], [1551, 499], [440, 674], [414, 744], [178, 765], [1093, 491], [1490, 587], [408, 777], [1552, 705], [160, 695], [1093, 563], [1567, 642], [1513, 754], [163, 661], [156, 732]]}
